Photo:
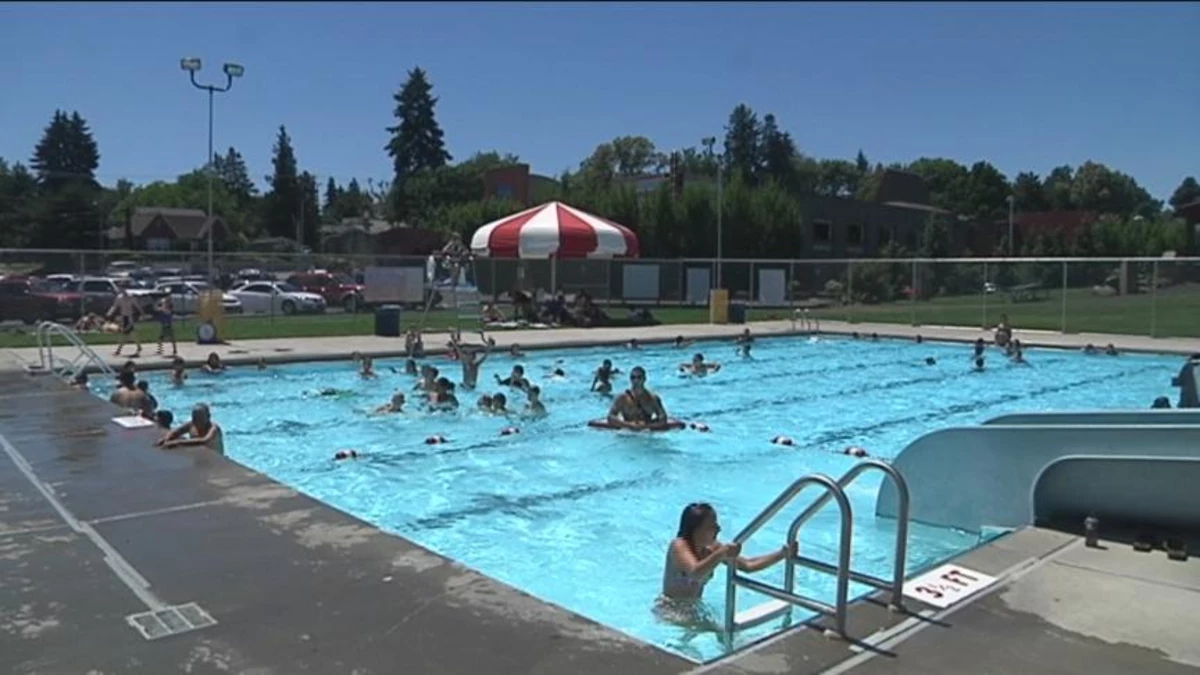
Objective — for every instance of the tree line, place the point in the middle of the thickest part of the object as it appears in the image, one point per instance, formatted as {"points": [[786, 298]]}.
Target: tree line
{"points": [[55, 200]]}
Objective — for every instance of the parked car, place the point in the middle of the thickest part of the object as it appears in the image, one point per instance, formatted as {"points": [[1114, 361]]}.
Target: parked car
{"points": [[337, 289], [277, 297], [185, 296], [120, 268], [100, 293], [31, 300]]}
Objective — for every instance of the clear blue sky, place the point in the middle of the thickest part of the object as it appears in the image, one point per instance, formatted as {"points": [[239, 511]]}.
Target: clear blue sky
{"points": [[1023, 85]]}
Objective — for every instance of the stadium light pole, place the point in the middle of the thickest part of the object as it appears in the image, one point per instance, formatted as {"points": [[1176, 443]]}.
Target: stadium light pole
{"points": [[231, 70], [709, 142]]}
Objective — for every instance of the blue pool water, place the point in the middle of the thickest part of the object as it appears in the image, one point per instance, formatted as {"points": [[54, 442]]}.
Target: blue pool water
{"points": [[582, 517]]}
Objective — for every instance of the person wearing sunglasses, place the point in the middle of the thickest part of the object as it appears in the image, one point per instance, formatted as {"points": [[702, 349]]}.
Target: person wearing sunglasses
{"points": [[637, 407], [695, 553]]}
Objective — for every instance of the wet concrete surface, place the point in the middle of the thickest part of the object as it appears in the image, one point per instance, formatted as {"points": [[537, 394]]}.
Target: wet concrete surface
{"points": [[299, 587], [296, 587]]}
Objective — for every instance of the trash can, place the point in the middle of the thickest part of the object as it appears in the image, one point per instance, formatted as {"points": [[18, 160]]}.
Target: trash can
{"points": [[387, 321], [737, 312]]}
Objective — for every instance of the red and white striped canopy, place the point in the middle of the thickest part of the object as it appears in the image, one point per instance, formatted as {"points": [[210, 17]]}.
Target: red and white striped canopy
{"points": [[554, 229]]}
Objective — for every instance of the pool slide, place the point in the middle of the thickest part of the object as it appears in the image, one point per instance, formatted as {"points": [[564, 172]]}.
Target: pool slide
{"points": [[971, 478]]}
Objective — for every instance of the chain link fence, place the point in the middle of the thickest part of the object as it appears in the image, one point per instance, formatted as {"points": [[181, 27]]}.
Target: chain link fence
{"points": [[1158, 297]]}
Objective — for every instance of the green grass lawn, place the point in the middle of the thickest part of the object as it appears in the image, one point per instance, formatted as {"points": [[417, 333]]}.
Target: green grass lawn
{"points": [[1175, 312], [327, 325]]}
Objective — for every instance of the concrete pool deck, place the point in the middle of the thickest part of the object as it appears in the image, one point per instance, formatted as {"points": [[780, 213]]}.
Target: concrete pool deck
{"points": [[280, 350], [96, 525]]}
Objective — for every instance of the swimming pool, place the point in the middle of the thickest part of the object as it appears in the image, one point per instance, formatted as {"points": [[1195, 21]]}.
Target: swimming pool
{"points": [[582, 517]]}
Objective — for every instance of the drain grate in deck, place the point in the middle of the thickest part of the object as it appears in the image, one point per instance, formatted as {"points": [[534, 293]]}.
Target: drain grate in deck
{"points": [[170, 621]]}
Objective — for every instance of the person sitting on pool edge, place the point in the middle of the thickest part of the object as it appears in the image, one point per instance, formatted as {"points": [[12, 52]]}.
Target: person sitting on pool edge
{"points": [[637, 407], [201, 430], [695, 553]]}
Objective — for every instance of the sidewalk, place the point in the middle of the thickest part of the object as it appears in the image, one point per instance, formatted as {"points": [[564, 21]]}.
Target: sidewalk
{"points": [[332, 348]]}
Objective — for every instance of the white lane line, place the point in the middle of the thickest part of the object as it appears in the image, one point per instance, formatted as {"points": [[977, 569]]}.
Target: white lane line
{"points": [[152, 512], [30, 530], [124, 571], [1006, 578]]}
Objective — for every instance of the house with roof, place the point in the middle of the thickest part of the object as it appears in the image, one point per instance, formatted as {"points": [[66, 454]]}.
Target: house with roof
{"points": [[164, 229]]}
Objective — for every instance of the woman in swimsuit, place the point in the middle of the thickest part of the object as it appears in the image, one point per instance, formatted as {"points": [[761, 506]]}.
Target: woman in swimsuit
{"points": [[693, 557]]}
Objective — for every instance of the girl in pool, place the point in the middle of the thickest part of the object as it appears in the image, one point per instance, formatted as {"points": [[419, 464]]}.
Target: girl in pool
{"points": [[692, 558]]}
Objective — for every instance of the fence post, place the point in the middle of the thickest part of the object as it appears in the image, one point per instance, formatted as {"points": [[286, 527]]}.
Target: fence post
{"points": [[984, 290], [850, 291], [750, 300], [82, 275], [912, 295], [791, 295], [1064, 297], [1154, 299]]}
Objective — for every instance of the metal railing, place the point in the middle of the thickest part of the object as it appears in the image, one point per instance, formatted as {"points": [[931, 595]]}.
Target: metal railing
{"points": [[787, 597], [1155, 297], [84, 355]]}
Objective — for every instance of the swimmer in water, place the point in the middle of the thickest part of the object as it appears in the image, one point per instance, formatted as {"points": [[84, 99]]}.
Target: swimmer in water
{"points": [[368, 368], [516, 378], [410, 367], [484, 403], [178, 373], [602, 383], [1089, 348], [213, 365], [680, 343], [534, 407], [414, 345], [979, 364], [396, 405], [632, 344], [930, 361], [979, 347], [1110, 350], [471, 361], [428, 381], [699, 366], [443, 397], [515, 351], [499, 404], [695, 553], [744, 342], [920, 339], [637, 407], [262, 363]]}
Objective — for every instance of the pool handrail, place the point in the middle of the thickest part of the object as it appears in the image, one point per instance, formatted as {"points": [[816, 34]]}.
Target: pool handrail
{"points": [[896, 585], [842, 571], [732, 579]]}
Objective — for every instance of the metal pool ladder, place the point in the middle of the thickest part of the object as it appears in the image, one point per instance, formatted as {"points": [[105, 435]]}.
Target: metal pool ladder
{"points": [[66, 368], [787, 597]]}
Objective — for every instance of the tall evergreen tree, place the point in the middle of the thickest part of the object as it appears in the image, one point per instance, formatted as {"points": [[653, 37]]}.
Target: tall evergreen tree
{"points": [[861, 163], [332, 192], [232, 172], [417, 141], [67, 153], [1187, 192], [65, 162], [778, 153], [742, 152], [283, 202], [353, 202], [309, 215]]}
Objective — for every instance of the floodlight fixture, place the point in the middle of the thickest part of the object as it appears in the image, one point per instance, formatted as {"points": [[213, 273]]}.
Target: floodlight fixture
{"points": [[191, 65], [234, 70]]}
